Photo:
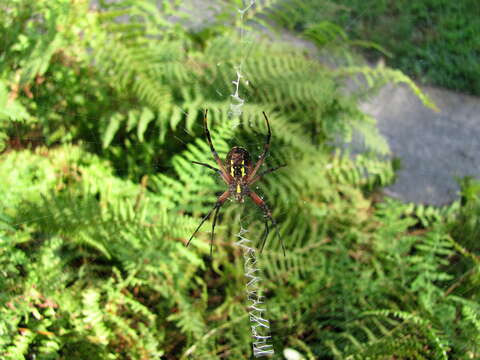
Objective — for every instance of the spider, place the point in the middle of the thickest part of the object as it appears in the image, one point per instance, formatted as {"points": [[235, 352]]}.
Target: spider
{"points": [[239, 174]]}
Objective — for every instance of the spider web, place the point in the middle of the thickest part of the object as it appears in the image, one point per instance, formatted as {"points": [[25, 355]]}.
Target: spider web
{"points": [[233, 94], [248, 213]]}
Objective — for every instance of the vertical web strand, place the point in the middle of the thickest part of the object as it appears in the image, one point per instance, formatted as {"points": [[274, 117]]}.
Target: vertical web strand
{"points": [[237, 102]]}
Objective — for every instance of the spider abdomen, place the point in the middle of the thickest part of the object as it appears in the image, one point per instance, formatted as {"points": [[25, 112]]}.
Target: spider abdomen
{"points": [[239, 166], [238, 163]]}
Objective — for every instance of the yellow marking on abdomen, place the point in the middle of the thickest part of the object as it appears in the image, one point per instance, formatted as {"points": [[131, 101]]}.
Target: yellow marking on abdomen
{"points": [[243, 168], [231, 169], [239, 190]]}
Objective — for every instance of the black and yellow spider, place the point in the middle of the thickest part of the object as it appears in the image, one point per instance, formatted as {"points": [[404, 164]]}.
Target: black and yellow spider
{"points": [[239, 174]]}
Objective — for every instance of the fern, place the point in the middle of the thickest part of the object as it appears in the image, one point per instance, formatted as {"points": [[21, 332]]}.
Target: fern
{"points": [[440, 349], [99, 195]]}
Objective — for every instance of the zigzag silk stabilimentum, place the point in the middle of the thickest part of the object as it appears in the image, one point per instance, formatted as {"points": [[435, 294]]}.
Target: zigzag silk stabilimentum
{"points": [[260, 326]]}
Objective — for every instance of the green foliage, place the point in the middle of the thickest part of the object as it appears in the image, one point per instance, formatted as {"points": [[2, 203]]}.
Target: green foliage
{"points": [[347, 284], [100, 120], [79, 237], [437, 41]]}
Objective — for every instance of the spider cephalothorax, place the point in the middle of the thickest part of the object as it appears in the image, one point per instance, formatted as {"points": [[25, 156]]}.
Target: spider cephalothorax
{"points": [[239, 174]]}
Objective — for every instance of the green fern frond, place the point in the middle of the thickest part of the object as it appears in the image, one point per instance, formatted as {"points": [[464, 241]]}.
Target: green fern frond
{"points": [[384, 75], [441, 346]]}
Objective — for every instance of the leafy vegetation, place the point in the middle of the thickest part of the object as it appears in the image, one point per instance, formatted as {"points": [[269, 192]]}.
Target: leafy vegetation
{"points": [[99, 122], [435, 41]]}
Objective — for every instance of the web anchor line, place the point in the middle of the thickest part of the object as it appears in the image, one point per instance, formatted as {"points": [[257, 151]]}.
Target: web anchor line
{"points": [[238, 102], [243, 11], [260, 326], [236, 107]]}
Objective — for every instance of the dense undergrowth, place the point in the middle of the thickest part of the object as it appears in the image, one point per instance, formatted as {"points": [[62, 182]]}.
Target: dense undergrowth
{"points": [[99, 121], [435, 41]]}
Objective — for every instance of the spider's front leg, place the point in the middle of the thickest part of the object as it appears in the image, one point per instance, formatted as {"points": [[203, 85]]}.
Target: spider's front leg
{"points": [[220, 201], [268, 216]]}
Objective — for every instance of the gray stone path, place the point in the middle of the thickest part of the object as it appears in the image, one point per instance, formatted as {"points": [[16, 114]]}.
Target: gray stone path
{"points": [[434, 147]]}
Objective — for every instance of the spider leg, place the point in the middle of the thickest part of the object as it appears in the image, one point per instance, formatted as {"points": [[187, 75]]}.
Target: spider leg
{"points": [[278, 236], [266, 147], [213, 229], [223, 172], [265, 172], [268, 216], [210, 167], [221, 199], [201, 223], [206, 165], [265, 235]]}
